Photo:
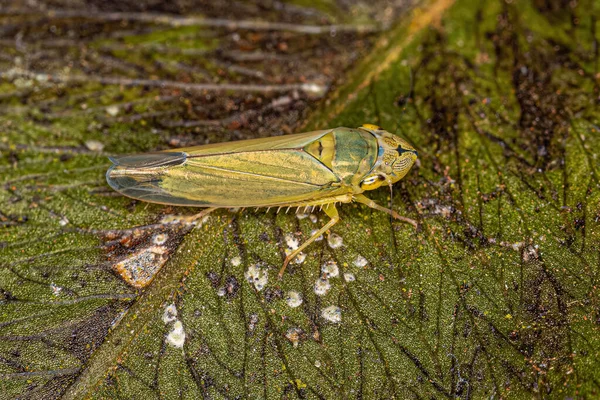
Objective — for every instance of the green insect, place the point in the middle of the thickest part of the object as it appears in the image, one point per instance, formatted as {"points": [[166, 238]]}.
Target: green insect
{"points": [[319, 168]]}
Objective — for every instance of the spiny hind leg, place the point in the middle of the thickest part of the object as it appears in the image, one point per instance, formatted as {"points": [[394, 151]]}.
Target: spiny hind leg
{"points": [[320, 203], [361, 198], [332, 212]]}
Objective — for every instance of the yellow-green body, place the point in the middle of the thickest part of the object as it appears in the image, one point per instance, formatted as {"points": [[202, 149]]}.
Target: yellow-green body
{"points": [[306, 169]]}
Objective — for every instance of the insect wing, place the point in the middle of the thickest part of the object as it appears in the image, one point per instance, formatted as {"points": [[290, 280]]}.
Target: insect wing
{"points": [[296, 141], [259, 172]]}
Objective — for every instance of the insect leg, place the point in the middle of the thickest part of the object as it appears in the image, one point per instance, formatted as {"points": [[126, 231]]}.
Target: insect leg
{"points": [[203, 213], [332, 212], [361, 198]]}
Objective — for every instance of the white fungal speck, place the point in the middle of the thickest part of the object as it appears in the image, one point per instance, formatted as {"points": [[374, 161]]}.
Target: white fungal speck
{"points": [[159, 239], [322, 286], [330, 269], [63, 221], [317, 363], [170, 314], [176, 337], [257, 276], [334, 241], [221, 292], [349, 277], [332, 314], [314, 89], [313, 233], [55, 289], [313, 218], [301, 215], [94, 145], [236, 261], [293, 299], [299, 259], [360, 261], [112, 110], [291, 241]]}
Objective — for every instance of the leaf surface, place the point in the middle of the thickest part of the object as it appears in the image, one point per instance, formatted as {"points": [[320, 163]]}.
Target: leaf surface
{"points": [[494, 296]]}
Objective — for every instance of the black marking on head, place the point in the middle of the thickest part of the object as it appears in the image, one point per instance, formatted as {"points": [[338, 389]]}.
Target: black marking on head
{"points": [[401, 150]]}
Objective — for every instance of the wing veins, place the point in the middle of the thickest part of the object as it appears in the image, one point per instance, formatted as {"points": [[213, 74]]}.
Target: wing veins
{"points": [[262, 176], [190, 156]]}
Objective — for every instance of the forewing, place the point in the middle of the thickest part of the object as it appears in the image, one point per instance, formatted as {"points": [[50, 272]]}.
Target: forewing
{"points": [[297, 141], [250, 178]]}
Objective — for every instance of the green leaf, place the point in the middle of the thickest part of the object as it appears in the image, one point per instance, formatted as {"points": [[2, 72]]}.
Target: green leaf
{"points": [[495, 295]]}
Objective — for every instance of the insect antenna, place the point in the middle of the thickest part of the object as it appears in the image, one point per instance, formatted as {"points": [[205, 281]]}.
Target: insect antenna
{"points": [[404, 102], [391, 199]]}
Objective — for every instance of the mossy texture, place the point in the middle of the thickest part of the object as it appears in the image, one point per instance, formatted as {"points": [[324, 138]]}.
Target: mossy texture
{"points": [[494, 296]]}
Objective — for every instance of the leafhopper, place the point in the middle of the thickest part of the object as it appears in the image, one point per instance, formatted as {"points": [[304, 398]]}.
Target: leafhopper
{"points": [[313, 169]]}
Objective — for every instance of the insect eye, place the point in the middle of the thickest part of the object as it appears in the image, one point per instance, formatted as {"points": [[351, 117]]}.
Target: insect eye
{"points": [[372, 182]]}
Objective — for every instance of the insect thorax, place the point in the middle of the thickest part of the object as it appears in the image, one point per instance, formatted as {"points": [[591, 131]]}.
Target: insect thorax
{"points": [[348, 153]]}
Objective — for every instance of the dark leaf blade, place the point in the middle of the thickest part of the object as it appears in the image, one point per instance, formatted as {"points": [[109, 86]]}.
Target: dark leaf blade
{"points": [[495, 295]]}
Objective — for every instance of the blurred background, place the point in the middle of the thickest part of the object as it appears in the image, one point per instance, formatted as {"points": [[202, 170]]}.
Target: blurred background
{"points": [[494, 296], [191, 69]]}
